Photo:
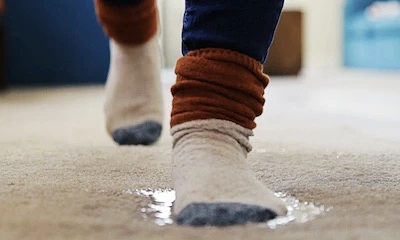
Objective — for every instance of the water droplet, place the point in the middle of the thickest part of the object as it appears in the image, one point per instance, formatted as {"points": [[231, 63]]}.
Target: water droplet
{"points": [[283, 150]]}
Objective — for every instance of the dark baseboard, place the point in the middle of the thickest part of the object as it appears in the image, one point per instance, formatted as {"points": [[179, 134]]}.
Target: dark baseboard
{"points": [[3, 82], [285, 54]]}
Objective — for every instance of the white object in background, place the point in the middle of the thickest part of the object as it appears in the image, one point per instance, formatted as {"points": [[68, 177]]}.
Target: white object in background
{"points": [[172, 19], [160, 32], [383, 10]]}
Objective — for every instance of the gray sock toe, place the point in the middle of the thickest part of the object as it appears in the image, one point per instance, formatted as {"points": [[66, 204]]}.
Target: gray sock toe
{"points": [[146, 133], [223, 214]]}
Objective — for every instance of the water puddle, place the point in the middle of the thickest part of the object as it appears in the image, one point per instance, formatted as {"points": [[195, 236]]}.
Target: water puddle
{"points": [[160, 207], [160, 202]]}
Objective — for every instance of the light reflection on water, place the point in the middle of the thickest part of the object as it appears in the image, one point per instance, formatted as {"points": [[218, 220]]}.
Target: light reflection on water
{"points": [[161, 201]]}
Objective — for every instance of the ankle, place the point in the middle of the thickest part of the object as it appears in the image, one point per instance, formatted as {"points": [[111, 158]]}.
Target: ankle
{"points": [[213, 133]]}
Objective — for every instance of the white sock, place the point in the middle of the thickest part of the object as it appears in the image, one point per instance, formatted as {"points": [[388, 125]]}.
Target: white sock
{"points": [[133, 101], [212, 179]]}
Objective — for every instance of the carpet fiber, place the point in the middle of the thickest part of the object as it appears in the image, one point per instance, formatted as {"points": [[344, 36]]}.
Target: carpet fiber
{"points": [[331, 138]]}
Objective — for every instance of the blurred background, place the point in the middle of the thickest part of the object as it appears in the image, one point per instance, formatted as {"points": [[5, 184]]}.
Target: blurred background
{"points": [[49, 42]]}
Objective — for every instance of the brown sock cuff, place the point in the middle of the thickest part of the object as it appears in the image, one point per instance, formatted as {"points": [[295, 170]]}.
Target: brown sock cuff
{"points": [[128, 24], [218, 84]]}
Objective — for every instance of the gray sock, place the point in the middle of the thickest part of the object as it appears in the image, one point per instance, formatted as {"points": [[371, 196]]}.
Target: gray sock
{"points": [[223, 214], [146, 133]]}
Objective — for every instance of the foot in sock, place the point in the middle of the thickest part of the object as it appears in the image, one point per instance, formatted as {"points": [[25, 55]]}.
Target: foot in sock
{"points": [[133, 105], [213, 182], [133, 98], [216, 97]]}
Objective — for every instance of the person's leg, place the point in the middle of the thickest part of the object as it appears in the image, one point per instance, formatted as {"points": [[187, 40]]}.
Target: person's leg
{"points": [[133, 101], [216, 98]]}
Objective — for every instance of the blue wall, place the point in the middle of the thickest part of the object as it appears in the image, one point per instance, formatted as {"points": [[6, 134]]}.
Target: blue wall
{"points": [[368, 43], [53, 42]]}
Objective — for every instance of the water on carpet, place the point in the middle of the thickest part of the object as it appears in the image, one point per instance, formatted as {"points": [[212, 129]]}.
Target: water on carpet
{"points": [[159, 203]]}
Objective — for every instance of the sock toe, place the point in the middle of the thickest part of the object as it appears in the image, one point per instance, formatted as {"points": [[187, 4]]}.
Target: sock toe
{"points": [[146, 133], [223, 214]]}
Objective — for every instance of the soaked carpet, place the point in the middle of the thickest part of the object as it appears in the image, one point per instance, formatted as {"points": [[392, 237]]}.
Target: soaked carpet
{"points": [[329, 140]]}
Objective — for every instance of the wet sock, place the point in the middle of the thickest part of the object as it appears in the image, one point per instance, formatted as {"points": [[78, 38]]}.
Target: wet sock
{"points": [[217, 96], [212, 179], [133, 104]]}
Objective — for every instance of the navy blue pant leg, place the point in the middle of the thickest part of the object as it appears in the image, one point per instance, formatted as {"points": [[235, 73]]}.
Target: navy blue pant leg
{"points": [[123, 1], [245, 26]]}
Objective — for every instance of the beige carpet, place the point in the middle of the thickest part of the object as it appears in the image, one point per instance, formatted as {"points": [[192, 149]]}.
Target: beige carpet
{"points": [[331, 138]]}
